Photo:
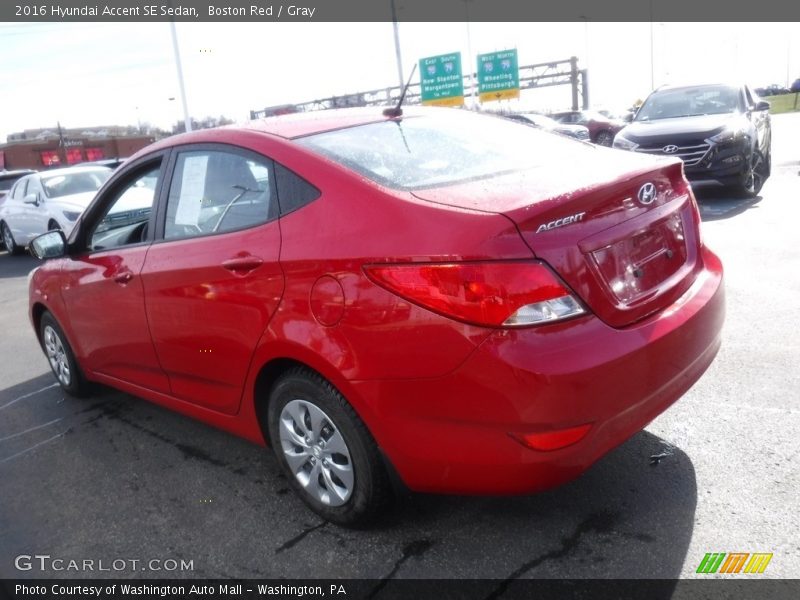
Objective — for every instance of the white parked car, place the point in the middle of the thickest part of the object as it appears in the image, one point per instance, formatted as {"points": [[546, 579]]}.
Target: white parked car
{"points": [[48, 200]]}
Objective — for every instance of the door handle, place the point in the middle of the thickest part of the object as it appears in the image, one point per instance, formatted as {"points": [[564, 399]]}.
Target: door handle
{"points": [[242, 264], [124, 277]]}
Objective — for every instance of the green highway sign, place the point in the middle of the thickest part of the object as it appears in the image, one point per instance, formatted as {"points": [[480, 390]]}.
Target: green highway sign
{"points": [[441, 81], [498, 75]]}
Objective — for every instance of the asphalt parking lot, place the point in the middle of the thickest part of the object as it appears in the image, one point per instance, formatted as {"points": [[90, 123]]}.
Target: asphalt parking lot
{"points": [[114, 477]]}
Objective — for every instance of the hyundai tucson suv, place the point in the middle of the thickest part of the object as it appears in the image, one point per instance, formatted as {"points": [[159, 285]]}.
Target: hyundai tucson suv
{"points": [[722, 133]]}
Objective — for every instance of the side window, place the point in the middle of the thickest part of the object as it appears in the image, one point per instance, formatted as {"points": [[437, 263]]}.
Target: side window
{"points": [[213, 191], [293, 191], [19, 189], [33, 187], [127, 217]]}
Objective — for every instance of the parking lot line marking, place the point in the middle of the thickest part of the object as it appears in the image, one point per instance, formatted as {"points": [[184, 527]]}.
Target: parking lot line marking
{"points": [[13, 435], [20, 453], [28, 395]]}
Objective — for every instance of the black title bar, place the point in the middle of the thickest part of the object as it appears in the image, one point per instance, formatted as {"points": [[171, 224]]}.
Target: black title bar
{"points": [[402, 10], [391, 589]]}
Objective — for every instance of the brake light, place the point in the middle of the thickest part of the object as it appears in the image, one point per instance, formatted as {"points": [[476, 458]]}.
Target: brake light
{"points": [[493, 294]]}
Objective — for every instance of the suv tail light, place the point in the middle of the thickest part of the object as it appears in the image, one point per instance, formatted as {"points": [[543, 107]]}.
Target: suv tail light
{"points": [[493, 294]]}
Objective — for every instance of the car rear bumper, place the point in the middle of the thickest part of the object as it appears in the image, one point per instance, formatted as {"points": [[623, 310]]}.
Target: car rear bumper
{"points": [[453, 434]]}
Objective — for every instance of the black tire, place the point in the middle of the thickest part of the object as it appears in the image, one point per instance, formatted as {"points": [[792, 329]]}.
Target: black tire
{"points": [[8, 240], [53, 226], [370, 491], [60, 356], [755, 175], [768, 164], [604, 138]]}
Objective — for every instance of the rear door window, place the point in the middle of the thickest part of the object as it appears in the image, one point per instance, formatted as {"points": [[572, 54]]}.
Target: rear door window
{"points": [[214, 191], [19, 189]]}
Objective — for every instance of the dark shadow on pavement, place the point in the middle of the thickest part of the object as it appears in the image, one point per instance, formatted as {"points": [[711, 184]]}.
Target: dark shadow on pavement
{"points": [[113, 476], [16, 266], [717, 202], [610, 523]]}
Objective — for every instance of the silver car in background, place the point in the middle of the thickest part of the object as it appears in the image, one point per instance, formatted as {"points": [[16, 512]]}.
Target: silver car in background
{"points": [[47, 200]]}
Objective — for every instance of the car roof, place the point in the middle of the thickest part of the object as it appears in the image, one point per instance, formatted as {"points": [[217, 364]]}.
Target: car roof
{"points": [[15, 173], [307, 123], [295, 125], [535, 115], [71, 170], [290, 126], [706, 84]]}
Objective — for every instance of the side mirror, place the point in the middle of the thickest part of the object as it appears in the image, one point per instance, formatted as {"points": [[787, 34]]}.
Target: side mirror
{"points": [[52, 244], [761, 105], [32, 199]]}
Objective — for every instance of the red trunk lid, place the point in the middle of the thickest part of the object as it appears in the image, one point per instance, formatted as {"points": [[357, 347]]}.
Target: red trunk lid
{"points": [[624, 257]]}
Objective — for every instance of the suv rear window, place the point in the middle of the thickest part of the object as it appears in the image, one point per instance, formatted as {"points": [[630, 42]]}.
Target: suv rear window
{"points": [[432, 151]]}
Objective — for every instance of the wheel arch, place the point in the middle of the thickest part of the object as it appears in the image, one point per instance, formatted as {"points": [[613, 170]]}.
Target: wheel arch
{"points": [[605, 131], [37, 310], [286, 358], [265, 380], [272, 370]]}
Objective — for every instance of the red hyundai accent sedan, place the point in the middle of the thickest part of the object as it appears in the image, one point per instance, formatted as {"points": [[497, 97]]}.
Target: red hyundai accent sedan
{"points": [[463, 302]]}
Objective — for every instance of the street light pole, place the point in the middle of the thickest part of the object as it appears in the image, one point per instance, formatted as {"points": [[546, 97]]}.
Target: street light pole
{"points": [[652, 71], [470, 58], [186, 120], [400, 77], [585, 60]]}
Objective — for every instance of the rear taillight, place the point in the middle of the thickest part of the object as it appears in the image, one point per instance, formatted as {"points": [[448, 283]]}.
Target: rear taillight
{"points": [[681, 186], [493, 294], [698, 220]]}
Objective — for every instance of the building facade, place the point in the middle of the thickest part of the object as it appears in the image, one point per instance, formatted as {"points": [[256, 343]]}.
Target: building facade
{"points": [[50, 149]]}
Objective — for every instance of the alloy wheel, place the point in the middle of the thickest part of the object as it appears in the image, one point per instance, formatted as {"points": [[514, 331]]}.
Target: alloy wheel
{"points": [[57, 356], [316, 452], [8, 239], [754, 178], [604, 138]]}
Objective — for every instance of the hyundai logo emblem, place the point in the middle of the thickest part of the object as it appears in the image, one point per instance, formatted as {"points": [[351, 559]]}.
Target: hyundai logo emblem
{"points": [[647, 193], [670, 149]]}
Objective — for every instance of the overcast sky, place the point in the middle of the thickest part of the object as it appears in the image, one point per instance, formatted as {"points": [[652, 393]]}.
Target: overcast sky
{"points": [[84, 74]]}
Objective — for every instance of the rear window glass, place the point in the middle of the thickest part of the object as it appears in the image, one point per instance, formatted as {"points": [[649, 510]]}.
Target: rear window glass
{"points": [[437, 150]]}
